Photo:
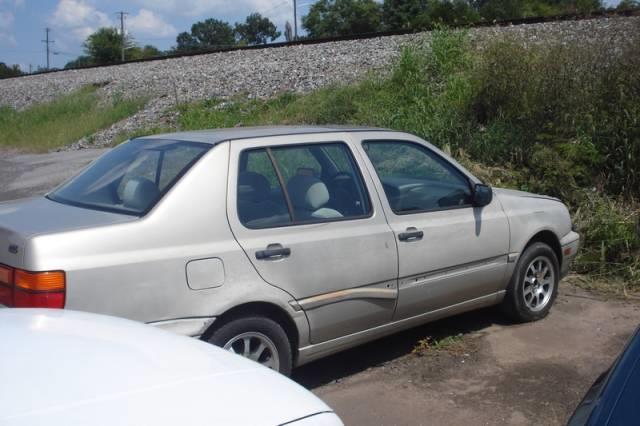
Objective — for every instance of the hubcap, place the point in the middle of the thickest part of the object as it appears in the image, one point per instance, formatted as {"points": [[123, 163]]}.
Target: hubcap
{"points": [[539, 281], [255, 346]]}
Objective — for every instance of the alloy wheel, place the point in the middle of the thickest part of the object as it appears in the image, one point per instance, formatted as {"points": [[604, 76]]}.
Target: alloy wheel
{"points": [[255, 346], [539, 282]]}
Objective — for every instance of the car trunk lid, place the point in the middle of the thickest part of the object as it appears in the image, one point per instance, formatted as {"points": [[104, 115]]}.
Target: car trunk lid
{"points": [[22, 219]]}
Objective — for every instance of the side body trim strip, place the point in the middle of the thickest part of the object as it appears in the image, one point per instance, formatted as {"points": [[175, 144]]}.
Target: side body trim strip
{"points": [[349, 294]]}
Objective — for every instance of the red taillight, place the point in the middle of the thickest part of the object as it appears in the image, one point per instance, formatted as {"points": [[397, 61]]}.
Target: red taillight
{"points": [[6, 286], [24, 289], [26, 299]]}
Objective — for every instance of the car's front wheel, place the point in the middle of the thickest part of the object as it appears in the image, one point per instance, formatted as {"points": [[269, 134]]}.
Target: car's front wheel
{"points": [[534, 284], [258, 338]]}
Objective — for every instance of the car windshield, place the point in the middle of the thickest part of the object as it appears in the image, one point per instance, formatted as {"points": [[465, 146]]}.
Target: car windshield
{"points": [[131, 178]]}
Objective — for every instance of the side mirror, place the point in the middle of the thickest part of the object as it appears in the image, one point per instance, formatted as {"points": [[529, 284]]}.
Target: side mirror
{"points": [[482, 195]]}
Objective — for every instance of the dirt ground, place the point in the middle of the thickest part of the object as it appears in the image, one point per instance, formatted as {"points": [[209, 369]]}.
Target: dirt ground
{"points": [[499, 373], [24, 175]]}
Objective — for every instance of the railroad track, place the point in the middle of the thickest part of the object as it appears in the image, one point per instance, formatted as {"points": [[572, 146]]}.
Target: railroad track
{"points": [[362, 36]]}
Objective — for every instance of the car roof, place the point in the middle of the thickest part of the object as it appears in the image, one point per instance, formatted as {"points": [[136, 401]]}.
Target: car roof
{"points": [[215, 136], [62, 367]]}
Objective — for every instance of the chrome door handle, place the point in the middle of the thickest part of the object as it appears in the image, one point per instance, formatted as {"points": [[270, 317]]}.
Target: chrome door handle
{"points": [[273, 251], [411, 234]]}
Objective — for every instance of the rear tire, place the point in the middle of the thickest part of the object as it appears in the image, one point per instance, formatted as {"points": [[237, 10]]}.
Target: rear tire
{"points": [[258, 338], [534, 285]]}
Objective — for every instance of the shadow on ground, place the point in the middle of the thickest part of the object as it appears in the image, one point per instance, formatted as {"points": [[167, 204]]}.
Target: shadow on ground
{"points": [[378, 352]]}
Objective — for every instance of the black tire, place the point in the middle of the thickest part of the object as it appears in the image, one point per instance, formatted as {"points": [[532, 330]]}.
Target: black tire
{"points": [[260, 326], [519, 298]]}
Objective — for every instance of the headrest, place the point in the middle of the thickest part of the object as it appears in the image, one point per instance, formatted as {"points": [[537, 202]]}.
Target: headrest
{"points": [[139, 193], [307, 192], [254, 186]]}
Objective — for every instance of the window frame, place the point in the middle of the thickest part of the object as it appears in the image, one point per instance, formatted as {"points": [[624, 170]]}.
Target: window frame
{"points": [[437, 157], [285, 193]]}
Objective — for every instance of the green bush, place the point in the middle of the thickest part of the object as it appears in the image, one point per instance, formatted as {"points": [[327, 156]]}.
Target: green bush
{"points": [[580, 101], [610, 237]]}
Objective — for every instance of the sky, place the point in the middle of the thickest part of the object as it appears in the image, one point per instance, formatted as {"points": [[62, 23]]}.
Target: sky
{"points": [[156, 22]]}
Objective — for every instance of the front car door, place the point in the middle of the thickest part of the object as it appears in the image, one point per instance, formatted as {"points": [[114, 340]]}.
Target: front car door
{"points": [[312, 225], [450, 252]]}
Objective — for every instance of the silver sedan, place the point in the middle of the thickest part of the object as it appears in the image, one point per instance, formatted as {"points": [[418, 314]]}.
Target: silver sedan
{"points": [[284, 244]]}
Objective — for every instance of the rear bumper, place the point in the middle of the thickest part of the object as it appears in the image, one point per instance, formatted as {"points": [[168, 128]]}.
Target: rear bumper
{"points": [[569, 245]]}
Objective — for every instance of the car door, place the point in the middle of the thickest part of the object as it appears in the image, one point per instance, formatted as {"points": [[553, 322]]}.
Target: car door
{"points": [[303, 212], [449, 251]]}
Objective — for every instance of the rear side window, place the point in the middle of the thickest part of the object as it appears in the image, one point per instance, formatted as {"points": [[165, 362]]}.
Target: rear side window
{"points": [[131, 178], [415, 179], [261, 201], [299, 184]]}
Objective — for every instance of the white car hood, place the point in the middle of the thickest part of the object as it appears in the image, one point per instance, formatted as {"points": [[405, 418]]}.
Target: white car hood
{"points": [[69, 368]]}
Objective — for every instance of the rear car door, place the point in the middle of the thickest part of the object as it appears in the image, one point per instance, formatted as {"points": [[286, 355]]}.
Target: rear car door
{"points": [[450, 252], [301, 209]]}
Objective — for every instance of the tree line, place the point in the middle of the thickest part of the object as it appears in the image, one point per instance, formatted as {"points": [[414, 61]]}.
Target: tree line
{"points": [[327, 18], [105, 45]]}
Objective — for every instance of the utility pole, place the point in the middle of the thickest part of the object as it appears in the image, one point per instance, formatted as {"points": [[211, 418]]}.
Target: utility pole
{"points": [[48, 43], [122, 15], [295, 19]]}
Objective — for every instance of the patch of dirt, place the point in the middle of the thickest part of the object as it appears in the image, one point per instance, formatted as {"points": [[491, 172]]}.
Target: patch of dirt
{"points": [[514, 374]]}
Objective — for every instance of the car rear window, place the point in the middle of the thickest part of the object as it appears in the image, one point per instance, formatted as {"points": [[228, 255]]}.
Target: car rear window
{"points": [[131, 178]]}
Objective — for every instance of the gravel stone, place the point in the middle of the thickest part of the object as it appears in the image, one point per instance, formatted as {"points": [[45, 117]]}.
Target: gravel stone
{"points": [[265, 72]]}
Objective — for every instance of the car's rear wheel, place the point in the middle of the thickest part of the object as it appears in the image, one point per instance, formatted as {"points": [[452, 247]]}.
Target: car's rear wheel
{"points": [[258, 338], [534, 284]]}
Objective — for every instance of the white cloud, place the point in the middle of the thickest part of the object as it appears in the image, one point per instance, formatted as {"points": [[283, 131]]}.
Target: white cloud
{"points": [[278, 11], [147, 23], [184, 7], [12, 3], [78, 18], [6, 23], [6, 19], [220, 8]]}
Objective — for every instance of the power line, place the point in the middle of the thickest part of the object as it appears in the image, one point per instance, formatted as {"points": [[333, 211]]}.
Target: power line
{"points": [[277, 6], [48, 44], [57, 52]]}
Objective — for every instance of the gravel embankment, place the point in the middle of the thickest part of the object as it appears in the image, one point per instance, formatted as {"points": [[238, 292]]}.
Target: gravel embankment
{"points": [[263, 73]]}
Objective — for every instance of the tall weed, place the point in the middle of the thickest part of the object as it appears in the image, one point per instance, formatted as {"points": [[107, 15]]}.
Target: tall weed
{"points": [[63, 121]]}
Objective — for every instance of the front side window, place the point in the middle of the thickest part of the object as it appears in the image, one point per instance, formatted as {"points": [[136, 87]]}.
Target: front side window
{"points": [[299, 184], [131, 178], [416, 179]]}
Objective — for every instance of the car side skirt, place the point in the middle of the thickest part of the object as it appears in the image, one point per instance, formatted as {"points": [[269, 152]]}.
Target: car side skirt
{"points": [[312, 352]]}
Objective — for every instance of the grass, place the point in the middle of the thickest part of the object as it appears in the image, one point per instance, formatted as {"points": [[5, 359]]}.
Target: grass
{"points": [[453, 344], [63, 121], [557, 118]]}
